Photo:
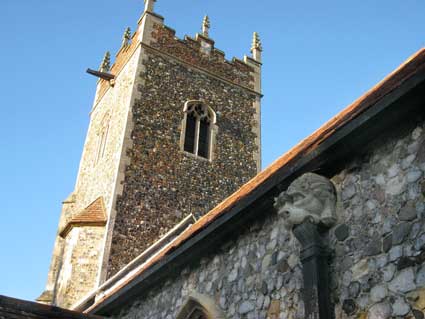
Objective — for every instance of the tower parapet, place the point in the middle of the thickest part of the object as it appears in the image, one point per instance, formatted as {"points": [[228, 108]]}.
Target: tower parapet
{"points": [[201, 52]]}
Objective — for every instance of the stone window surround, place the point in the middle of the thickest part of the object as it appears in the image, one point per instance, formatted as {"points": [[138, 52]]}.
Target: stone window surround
{"points": [[196, 302], [212, 131]]}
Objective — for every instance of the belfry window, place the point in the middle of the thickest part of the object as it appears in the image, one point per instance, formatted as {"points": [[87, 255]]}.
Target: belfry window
{"points": [[198, 129]]}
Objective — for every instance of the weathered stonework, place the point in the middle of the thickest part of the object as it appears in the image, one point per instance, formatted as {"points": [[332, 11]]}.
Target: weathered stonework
{"points": [[163, 184], [246, 277], [96, 178], [189, 51], [378, 243], [379, 263], [79, 269]]}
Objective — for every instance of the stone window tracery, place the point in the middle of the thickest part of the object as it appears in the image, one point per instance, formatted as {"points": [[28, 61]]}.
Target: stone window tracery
{"points": [[198, 129]]}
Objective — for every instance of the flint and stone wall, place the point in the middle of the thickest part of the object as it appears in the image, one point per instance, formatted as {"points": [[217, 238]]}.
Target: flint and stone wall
{"points": [[98, 179], [162, 184], [378, 243], [94, 180], [79, 264], [379, 269]]}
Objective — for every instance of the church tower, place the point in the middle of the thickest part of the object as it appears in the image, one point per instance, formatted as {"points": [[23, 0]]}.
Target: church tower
{"points": [[174, 130]]}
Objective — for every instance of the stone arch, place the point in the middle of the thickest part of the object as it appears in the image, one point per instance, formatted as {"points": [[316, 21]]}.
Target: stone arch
{"points": [[210, 112], [200, 306]]}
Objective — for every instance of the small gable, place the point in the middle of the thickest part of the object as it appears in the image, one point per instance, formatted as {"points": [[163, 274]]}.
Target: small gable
{"points": [[92, 215]]}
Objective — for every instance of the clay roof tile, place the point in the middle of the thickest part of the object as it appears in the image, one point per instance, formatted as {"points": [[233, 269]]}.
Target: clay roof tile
{"points": [[92, 215]]}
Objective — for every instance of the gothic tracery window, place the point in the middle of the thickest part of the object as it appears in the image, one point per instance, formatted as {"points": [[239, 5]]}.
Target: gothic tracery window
{"points": [[198, 129]]}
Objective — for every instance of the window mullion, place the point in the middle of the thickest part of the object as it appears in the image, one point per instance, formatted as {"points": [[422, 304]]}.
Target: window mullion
{"points": [[209, 141], [196, 142]]}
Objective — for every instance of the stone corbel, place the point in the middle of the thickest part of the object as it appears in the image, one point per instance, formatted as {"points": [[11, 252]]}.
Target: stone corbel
{"points": [[308, 207]]}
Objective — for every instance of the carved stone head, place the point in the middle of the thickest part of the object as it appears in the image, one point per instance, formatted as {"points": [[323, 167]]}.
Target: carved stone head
{"points": [[310, 197]]}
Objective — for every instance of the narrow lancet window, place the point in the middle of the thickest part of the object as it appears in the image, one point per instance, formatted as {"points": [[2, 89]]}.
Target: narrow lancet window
{"points": [[198, 128], [203, 138], [189, 139]]}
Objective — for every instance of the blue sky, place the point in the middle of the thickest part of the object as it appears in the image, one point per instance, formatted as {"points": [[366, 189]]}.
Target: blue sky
{"points": [[319, 56]]}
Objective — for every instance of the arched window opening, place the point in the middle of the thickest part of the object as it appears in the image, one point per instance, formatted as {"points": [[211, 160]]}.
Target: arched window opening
{"points": [[197, 314], [203, 138], [198, 127], [199, 306], [189, 138]]}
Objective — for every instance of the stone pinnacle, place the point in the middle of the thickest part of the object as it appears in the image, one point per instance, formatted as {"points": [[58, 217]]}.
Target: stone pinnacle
{"points": [[206, 26], [256, 43], [105, 66]]}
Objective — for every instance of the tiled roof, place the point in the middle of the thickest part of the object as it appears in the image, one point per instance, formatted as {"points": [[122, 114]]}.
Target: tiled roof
{"points": [[394, 80], [11, 308], [93, 215]]}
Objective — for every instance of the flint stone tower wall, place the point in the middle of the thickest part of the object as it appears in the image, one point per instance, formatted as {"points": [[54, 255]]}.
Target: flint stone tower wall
{"points": [[162, 184], [96, 178]]}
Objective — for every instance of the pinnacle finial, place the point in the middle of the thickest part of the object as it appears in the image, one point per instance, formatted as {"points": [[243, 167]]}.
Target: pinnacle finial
{"points": [[206, 26], [106, 63], [256, 43], [256, 48], [149, 5], [126, 37]]}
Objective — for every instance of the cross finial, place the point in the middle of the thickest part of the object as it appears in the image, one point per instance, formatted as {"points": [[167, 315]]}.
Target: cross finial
{"points": [[106, 63], [206, 26], [126, 37], [256, 43], [149, 5]]}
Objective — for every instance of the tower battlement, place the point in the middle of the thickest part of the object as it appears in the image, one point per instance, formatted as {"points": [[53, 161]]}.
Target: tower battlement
{"points": [[198, 51]]}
